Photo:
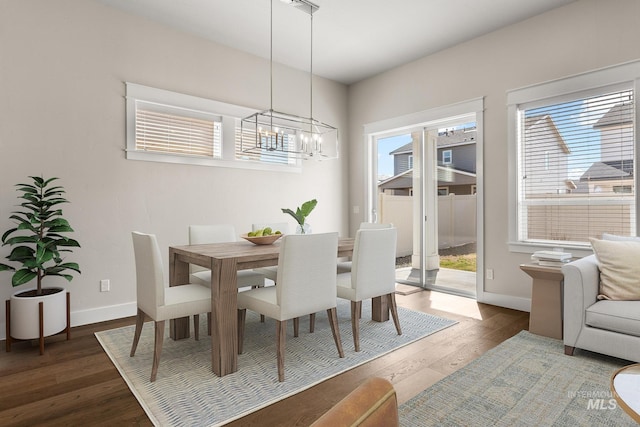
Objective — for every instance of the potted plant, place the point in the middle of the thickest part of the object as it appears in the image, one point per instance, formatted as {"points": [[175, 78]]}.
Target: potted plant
{"points": [[301, 214], [37, 242]]}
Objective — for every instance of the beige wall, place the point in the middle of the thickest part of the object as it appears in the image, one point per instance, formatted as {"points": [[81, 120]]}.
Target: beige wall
{"points": [[579, 37], [63, 64]]}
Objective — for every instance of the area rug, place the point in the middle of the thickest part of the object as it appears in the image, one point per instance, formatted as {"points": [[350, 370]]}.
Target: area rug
{"points": [[525, 381], [187, 393]]}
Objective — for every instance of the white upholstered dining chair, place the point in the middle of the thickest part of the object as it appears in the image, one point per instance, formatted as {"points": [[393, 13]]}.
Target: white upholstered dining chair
{"points": [[372, 275], [270, 272], [345, 266], [218, 233], [159, 302], [306, 284]]}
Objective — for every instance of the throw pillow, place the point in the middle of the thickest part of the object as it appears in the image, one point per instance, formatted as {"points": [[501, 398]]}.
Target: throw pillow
{"points": [[608, 236], [618, 261]]}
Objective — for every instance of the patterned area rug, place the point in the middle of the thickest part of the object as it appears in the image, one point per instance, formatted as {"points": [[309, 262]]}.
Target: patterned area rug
{"points": [[525, 381], [187, 393]]}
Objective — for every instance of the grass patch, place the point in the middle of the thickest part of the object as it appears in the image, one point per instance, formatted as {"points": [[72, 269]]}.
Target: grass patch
{"points": [[459, 262]]}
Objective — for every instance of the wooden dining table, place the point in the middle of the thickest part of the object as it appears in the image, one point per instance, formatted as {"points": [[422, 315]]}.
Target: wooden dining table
{"points": [[224, 260]]}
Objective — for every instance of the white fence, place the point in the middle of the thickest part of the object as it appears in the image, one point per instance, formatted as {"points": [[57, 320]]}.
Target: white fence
{"points": [[456, 220]]}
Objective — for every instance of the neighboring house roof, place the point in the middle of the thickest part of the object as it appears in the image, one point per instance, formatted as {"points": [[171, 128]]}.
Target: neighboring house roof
{"points": [[617, 169], [547, 122], [451, 176], [446, 176], [402, 180], [406, 148], [457, 137], [618, 114]]}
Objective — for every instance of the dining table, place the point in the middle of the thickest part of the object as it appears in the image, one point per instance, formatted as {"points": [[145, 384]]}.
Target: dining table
{"points": [[224, 260]]}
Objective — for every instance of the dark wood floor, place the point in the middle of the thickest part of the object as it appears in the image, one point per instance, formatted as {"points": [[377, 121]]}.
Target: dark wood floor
{"points": [[75, 383]]}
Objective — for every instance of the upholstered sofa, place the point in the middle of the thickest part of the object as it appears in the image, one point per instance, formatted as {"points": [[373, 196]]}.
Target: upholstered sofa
{"points": [[600, 325], [372, 404]]}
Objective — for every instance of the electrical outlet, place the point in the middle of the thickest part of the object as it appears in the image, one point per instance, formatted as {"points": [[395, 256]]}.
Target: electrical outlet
{"points": [[490, 273], [105, 285]]}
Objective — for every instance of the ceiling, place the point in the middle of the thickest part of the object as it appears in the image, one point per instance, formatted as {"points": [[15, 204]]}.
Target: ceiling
{"points": [[352, 39]]}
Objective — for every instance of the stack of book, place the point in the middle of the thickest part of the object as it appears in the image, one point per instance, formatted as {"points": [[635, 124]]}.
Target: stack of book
{"points": [[551, 258]]}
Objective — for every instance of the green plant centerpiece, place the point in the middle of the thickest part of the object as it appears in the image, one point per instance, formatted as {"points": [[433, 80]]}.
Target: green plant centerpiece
{"points": [[37, 243], [301, 214]]}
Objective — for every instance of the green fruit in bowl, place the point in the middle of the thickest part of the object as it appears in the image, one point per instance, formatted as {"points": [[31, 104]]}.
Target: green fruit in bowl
{"points": [[251, 234], [278, 232], [258, 233], [267, 231]]}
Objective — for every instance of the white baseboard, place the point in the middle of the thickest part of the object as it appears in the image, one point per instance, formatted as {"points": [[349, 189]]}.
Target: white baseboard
{"points": [[507, 301], [101, 314], [94, 315]]}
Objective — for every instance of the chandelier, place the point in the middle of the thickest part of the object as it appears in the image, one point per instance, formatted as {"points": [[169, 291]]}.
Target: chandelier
{"points": [[284, 137]]}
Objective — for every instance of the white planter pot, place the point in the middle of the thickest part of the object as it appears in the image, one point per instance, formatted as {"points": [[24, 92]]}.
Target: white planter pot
{"points": [[25, 323]]}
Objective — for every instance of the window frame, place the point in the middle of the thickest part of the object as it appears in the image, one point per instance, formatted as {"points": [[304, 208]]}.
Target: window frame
{"points": [[230, 114], [447, 154], [572, 87], [443, 191]]}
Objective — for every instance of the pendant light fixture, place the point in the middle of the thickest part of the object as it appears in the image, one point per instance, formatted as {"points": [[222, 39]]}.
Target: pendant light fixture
{"points": [[284, 137]]}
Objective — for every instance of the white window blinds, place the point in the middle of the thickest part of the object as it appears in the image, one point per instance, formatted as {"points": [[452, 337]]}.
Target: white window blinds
{"points": [[242, 153], [165, 129], [576, 168]]}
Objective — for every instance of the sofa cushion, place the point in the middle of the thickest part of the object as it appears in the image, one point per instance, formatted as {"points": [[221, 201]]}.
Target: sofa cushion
{"points": [[619, 268], [617, 316]]}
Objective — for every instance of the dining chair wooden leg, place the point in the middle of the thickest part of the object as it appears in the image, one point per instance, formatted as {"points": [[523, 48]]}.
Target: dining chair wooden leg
{"points": [[394, 311], [209, 323], [242, 315], [356, 308], [262, 315], [281, 333], [312, 322], [333, 321], [296, 326], [196, 327], [157, 348], [136, 335]]}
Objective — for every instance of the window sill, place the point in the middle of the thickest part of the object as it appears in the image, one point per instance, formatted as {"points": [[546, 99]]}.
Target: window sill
{"points": [[577, 251], [238, 164]]}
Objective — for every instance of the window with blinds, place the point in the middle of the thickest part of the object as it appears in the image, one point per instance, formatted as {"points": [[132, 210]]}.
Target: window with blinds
{"points": [[179, 131], [171, 127], [576, 167]]}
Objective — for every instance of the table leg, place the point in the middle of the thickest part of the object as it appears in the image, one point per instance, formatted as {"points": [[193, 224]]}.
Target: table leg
{"points": [[178, 275], [224, 318], [379, 309]]}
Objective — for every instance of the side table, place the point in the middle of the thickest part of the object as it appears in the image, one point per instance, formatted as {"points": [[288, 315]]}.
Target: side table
{"points": [[546, 300], [625, 386]]}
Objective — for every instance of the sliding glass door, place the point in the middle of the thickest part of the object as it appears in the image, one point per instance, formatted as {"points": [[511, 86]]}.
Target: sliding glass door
{"points": [[423, 179]]}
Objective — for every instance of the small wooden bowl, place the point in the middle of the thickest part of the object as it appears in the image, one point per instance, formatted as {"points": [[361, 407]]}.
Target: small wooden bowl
{"points": [[262, 240]]}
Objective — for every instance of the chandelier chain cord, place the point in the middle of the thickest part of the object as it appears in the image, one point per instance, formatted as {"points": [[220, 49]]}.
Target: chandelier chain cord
{"points": [[271, 59], [311, 75]]}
